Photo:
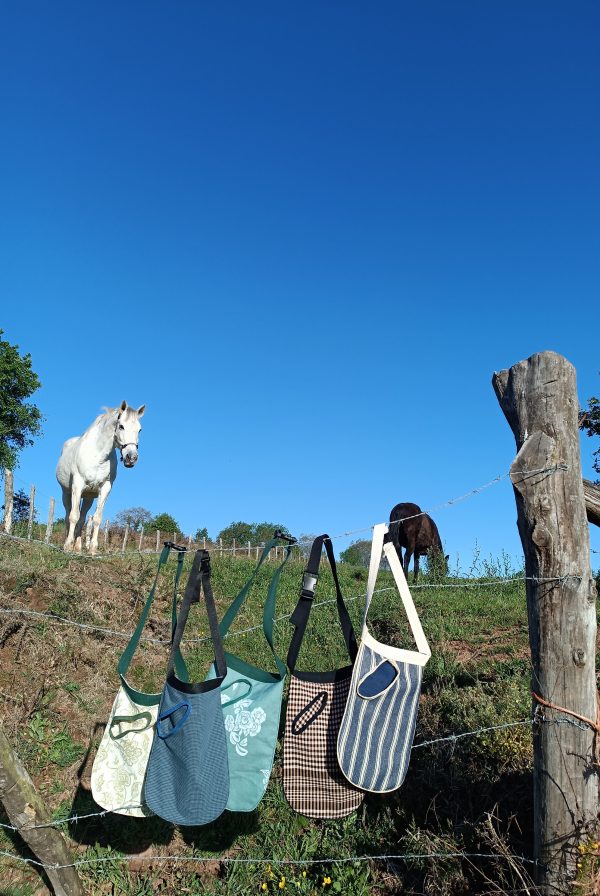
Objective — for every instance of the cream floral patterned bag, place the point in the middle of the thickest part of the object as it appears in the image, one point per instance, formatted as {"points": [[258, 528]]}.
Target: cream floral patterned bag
{"points": [[120, 765]]}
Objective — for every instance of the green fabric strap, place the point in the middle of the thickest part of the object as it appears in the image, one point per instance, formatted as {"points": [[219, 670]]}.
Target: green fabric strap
{"points": [[239, 600], [127, 655], [269, 610]]}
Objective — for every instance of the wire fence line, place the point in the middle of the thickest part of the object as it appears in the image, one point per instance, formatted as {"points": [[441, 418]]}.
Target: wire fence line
{"points": [[449, 503], [74, 819], [271, 860], [55, 619]]}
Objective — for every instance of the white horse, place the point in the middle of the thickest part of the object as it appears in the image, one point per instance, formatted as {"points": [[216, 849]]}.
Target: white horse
{"points": [[87, 468]]}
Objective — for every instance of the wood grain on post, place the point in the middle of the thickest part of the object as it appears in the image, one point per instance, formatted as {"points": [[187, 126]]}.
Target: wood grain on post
{"points": [[25, 809], [125, 537], [106, 535], [592, 501], [31, 512], [140, 545], [157, 540], [8, 500], [50, 522], [539, 400]]}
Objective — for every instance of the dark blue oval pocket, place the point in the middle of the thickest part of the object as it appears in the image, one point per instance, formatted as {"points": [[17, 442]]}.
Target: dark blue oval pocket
{"points": [[378, 681]]}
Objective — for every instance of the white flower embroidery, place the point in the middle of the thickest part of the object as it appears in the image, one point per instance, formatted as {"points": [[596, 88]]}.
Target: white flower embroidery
{"points": [[243, 724]]}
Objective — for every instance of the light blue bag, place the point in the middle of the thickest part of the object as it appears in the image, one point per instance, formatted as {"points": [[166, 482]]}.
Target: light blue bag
{"points": [[251, 701], [187, 780]]}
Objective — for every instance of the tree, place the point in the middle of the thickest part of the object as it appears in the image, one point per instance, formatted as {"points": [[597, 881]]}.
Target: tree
{"points": [[164, 522], [19, 421], [134, 517], [305, 544], [358, 553], [589, 421], [201, 533], [21, 507], [255, 533]]}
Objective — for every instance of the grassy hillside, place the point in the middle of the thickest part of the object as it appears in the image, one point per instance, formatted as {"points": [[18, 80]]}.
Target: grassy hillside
{"points": [[471, 795]]}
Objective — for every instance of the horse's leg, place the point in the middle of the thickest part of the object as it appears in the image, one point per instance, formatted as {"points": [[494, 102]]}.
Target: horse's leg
{"points": [[86, 503], [407, 556], [66, 499], [97, 518], [416, 567], [76, 489]]}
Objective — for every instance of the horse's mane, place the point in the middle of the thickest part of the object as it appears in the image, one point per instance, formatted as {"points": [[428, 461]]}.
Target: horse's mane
{"points": [[106, 413]]}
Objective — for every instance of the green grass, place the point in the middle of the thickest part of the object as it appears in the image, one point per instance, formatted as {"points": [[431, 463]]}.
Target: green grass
{"points": [[478, 677]]}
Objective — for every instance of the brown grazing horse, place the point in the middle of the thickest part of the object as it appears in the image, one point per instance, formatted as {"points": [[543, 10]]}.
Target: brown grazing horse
{"points": [[416, 532]]}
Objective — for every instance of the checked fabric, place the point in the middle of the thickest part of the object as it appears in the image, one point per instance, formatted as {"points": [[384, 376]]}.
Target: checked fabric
{"points": [[312, 779]]}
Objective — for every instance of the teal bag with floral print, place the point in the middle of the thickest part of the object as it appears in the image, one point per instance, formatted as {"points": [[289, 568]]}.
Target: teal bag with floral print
{"points": [[251, 701]]}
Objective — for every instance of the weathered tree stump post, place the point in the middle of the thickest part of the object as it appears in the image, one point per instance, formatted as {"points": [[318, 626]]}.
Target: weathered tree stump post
{"points": [[592, 501], [50, 522], [539, 400], [8, 500], [25, 809], [31, 512]]}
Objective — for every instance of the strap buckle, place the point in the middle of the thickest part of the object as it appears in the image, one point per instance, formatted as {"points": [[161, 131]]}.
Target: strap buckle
{"points": [[205, 562], [176, 547], [284, 536], [309, 584]]}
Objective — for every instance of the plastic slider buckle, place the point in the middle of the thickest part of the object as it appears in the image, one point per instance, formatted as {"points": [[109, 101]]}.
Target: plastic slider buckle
{"points": [[175, 547], [205, 563], [309, 583]]}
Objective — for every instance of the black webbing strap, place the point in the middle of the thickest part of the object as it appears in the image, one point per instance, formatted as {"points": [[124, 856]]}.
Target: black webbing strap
{"points": [[199, 580], [299, 617]]}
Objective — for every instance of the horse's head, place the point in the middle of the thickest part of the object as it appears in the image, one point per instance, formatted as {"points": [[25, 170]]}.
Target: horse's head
{"points": [[127, 433]]}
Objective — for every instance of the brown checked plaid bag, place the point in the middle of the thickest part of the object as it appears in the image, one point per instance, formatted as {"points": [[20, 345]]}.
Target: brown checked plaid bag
{"points": [[312, 779]]}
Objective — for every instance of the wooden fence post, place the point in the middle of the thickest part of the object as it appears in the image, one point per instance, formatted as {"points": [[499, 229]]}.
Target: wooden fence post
{"points": [[31, 512], [125, 536], [141, 540], [233, 553], [50, 522], [25, 809], [220, 547], [248, 548], [539, 400], [106, 535], [157, 540], [8, 500]]}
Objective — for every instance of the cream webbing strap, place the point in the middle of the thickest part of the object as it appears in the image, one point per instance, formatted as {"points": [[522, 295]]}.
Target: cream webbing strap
{"points": [[423, 652]]}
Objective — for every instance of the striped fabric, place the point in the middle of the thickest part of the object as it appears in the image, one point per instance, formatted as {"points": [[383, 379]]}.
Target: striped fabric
{"points": [[378, 728], [312, 780], [376, 734]]}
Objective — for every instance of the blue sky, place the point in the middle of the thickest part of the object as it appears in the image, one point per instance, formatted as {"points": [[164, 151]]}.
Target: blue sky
{"points": [[305, 236]]}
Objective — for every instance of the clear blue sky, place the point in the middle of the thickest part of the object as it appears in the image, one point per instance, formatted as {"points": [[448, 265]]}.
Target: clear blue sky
{"points": [[305, 236]]}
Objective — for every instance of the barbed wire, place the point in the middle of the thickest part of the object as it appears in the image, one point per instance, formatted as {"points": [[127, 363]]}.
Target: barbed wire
{"points": [[261, 860], [62, 620], [449, 503], [428, 743]]}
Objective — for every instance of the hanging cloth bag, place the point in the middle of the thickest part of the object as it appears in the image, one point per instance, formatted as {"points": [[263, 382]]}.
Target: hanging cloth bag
{"points": [[312, 780], [120, 762], [378, 728], [251, 701], [187, 780]]}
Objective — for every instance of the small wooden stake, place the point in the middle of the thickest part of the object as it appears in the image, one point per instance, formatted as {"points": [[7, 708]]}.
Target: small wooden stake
{"points": [[25, 809]]}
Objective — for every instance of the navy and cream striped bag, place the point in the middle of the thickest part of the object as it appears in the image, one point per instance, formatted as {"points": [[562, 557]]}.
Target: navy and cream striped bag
{"points": [[377, 731]]}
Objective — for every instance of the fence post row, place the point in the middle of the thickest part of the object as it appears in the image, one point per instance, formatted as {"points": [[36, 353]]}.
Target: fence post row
{"points": [[539, 400]]}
